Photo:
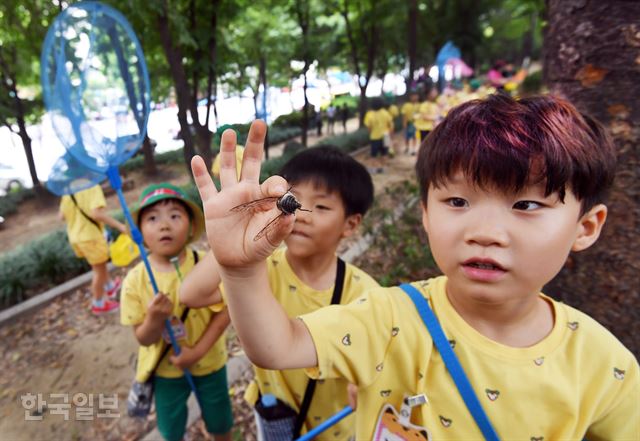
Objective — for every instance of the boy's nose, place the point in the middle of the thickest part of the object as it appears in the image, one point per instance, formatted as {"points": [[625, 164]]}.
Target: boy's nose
{"points": [[487, 233], [303, 216]]}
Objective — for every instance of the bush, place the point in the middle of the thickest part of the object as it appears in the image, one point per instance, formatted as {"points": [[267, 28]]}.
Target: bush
{"points": [[9, 202], [292, 147], [349, 142], [293, 119], [46, 261]]}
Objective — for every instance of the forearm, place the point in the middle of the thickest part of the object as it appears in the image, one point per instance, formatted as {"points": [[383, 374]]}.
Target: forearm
{"points": [[101, 215], [269, 337], [216, 328], [150, 331], [200, 287]]}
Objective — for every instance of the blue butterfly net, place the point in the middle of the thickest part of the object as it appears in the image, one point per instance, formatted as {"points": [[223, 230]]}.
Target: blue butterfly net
{"points": [[95, 85], [68, 176]]}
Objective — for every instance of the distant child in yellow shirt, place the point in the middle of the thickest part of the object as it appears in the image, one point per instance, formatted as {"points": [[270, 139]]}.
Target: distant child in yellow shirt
{"points": [[509, 188], [304, 277], [409, 111], [85, 214], [380, 123], [169, 220]]}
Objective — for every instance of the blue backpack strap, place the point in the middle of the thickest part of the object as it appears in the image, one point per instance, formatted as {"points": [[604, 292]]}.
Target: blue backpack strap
{"points": [[451, 362]]}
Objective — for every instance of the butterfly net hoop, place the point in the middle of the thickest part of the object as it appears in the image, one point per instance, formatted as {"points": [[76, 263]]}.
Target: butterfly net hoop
{"points": [[95, 85]]}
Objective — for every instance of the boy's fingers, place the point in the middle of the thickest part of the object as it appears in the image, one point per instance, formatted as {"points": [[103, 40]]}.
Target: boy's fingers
{"points": [[274, 186], [203, 180], [228, 173], [252, 159]]}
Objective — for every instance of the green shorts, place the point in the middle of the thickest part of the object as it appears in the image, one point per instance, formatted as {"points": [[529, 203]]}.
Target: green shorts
{"points": [[171, 404]]}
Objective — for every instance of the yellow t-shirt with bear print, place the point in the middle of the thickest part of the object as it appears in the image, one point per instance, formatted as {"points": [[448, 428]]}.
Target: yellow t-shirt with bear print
{"points": [[289, 385], [578, 382]]}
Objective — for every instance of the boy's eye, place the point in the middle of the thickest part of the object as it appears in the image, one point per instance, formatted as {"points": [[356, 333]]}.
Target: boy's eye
{"points": [[527, 205], [322, 207], [457, 202]]}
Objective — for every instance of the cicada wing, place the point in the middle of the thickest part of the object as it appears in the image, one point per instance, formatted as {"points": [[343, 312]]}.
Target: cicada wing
{"points": [[270, 226], [258, 203]]}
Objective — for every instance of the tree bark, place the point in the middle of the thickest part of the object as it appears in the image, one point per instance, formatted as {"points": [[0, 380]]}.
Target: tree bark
{"points": [[370, 42], [9, 83], [174, 58], [412, 41], [592, 57], [150, 168], [302, 12]]}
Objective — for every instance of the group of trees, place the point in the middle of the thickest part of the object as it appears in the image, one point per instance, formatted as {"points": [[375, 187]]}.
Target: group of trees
{"points": [[195, 47]]}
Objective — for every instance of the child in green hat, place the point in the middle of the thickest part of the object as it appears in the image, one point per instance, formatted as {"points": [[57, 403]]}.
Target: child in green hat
{"points": [[169, 221]]}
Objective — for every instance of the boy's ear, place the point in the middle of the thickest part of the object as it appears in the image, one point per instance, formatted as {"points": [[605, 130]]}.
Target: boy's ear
{"points": [[425, 224], [589, 227], [351, 224]]}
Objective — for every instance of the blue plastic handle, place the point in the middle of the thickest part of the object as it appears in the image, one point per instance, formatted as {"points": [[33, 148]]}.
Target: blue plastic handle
{"points": [[333, 419]]}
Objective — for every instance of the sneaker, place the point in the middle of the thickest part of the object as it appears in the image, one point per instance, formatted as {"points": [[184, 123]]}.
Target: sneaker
{"points": [[109, 306], [112, 293]]}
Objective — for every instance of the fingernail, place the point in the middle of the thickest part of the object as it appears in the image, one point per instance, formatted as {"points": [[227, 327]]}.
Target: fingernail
{"points": [[280, 189]]}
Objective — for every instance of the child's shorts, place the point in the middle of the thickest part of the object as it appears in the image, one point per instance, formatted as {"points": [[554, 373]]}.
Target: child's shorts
{"points": [[94, 251], [410, 132], [171, 396], [378, 148]]}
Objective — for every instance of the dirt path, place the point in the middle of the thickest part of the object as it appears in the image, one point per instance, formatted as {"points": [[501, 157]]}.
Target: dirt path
{"points": [[63, 349]]}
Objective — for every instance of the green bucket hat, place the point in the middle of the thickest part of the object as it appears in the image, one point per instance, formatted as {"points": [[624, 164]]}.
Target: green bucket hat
{"points": [[158, 192]]}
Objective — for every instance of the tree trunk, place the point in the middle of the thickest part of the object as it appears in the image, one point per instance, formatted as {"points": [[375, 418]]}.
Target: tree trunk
{"points": [[150, 168], [412, 41], [592, 57], [302, 13], [305, 110], [362, 104], [174, 58]]}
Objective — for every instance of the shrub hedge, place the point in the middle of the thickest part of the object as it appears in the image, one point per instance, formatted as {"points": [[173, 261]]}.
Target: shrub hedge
{"points": [[9, 202]]}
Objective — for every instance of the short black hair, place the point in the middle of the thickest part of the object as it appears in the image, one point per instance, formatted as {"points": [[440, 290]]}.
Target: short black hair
{"points": [[377, 103], [329, 167]]}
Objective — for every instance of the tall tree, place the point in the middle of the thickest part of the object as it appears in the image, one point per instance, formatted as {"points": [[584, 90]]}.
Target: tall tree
{"points": [[592, 57], [177, 42], [412, 39], [301, 9], [24, 25], [363, 34]]}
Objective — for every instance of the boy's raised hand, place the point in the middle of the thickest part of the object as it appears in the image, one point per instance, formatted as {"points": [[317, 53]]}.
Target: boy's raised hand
{"points": [[231, 234]]}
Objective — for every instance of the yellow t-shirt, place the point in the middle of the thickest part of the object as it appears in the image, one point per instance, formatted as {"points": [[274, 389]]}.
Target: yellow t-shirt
{"points": [[579, 382], [409, 111], [427, 115], [393, 110], [215, 167], [289, 385], [79, 228], [379, 123], [135, 296]]}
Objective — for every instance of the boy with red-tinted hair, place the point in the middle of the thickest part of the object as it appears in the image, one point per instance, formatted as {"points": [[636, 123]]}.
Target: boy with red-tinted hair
{"points": [[509, 188]]}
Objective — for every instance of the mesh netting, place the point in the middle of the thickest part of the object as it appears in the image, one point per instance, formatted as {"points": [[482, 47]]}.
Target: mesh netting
{"points": [[95, 85], [68, 176]]}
